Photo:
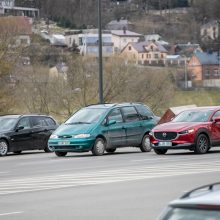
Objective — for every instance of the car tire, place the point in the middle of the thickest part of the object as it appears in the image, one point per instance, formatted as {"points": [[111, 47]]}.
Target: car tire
{"points": [[145, 144], [111, 150], [3, 148], [202, 144], [60, 154], [17, 152], [47, 149], [99, 147], [160, 151]]}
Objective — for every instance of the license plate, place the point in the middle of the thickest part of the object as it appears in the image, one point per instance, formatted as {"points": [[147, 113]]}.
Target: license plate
{"points": [[165, 144], [64, 143]]}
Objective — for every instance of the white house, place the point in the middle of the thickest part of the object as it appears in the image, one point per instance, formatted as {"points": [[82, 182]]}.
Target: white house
{"points": [[121, 38], [8, 7]]}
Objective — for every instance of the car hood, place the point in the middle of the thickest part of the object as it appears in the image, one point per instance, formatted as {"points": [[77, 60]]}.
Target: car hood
{"points": [[67, 129], [175, 126]]}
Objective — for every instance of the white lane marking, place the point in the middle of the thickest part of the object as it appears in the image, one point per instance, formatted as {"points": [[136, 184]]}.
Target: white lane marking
{"points": [[10, 213], [37, 183]]}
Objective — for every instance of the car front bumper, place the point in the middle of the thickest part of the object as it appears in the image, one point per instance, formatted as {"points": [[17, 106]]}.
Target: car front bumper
{"points": [[71, 145], [180, 146]]}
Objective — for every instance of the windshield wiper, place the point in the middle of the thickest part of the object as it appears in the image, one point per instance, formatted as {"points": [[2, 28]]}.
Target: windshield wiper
{"points": [[78, 122]]}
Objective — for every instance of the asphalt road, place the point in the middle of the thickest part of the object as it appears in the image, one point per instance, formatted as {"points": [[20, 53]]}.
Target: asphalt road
{"points": [[125, 185]]}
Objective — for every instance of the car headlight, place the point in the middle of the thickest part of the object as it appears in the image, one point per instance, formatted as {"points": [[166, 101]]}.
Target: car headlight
{"points": [[187, 131], [81, 136], [151, 133], [54, 136]]}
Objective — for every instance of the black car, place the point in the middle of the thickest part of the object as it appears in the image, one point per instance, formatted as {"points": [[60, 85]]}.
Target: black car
{"points": [[25, 132]]}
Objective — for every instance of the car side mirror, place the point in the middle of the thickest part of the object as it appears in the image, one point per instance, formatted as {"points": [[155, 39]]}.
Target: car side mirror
{"points": [[216, 120], [19, 128], [111, 122]]}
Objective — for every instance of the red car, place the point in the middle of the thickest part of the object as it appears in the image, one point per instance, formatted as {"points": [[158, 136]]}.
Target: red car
{"points": [[196, 129]]}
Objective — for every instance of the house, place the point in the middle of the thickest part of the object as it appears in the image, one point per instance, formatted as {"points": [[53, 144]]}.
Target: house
{"points": [[210, 30], [151, 53], [58, 40], [19, 27], [121, 38], [9, 7], [89, 44], [119, 24], [204, 66], [155, 37], [186, 49]]}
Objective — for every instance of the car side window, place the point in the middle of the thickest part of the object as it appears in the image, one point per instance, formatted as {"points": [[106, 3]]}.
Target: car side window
{"points": [[24, 122], [144, 111], [130, 114], [39, 122], [116, 115], [216, 115]]}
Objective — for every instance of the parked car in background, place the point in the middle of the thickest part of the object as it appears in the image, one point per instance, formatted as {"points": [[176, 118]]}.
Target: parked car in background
{"points": [[202, 203], [196, 129], [25, 132], [105, 127]]}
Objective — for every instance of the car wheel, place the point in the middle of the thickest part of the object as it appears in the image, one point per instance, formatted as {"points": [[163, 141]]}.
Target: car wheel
{"points": [[160, 151], [60, 154], [99, 147], [145, 144], [3, 148], [111, 150], [202, 144], [17, 152], [47, 149]]}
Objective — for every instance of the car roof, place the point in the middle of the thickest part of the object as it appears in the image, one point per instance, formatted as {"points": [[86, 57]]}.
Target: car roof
{"points": [[205, 195], [110, 105], [21, 115], [204, 108]]}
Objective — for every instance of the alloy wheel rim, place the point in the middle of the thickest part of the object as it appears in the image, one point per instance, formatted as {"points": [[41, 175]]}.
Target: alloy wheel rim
{"points": [[3, 148], [100, 146], [203, 144]]}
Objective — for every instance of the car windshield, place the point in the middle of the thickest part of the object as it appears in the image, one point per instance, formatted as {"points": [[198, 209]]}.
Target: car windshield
{"points": [[193, 116], [7, 124], [86, 116], [192, 214]]}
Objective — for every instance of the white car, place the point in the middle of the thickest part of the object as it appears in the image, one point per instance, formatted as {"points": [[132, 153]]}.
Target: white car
{"points": [[202, 203]]}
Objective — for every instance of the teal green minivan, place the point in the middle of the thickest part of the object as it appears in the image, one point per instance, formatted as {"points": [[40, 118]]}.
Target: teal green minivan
{"points": [[104, 127]]}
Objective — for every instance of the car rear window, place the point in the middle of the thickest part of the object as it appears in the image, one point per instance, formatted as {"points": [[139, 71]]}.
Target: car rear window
{"points": [[191, 214], [50, 121]]}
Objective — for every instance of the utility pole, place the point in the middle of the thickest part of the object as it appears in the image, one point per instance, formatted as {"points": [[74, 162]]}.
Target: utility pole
{"points": [[100, 53]]}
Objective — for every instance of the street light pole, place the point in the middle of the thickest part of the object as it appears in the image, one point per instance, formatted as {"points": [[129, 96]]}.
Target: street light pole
{"points": [[100, 53]]}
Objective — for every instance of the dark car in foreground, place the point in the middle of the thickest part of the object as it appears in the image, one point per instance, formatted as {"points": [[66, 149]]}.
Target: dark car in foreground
{"points": [[105, 127], [196, 129], [202, 203], [25, 132]]}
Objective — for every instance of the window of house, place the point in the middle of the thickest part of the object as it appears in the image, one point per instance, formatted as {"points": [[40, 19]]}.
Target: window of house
{"points": [[142, 56], [129, 48], [152, 48], [156, 56]]}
